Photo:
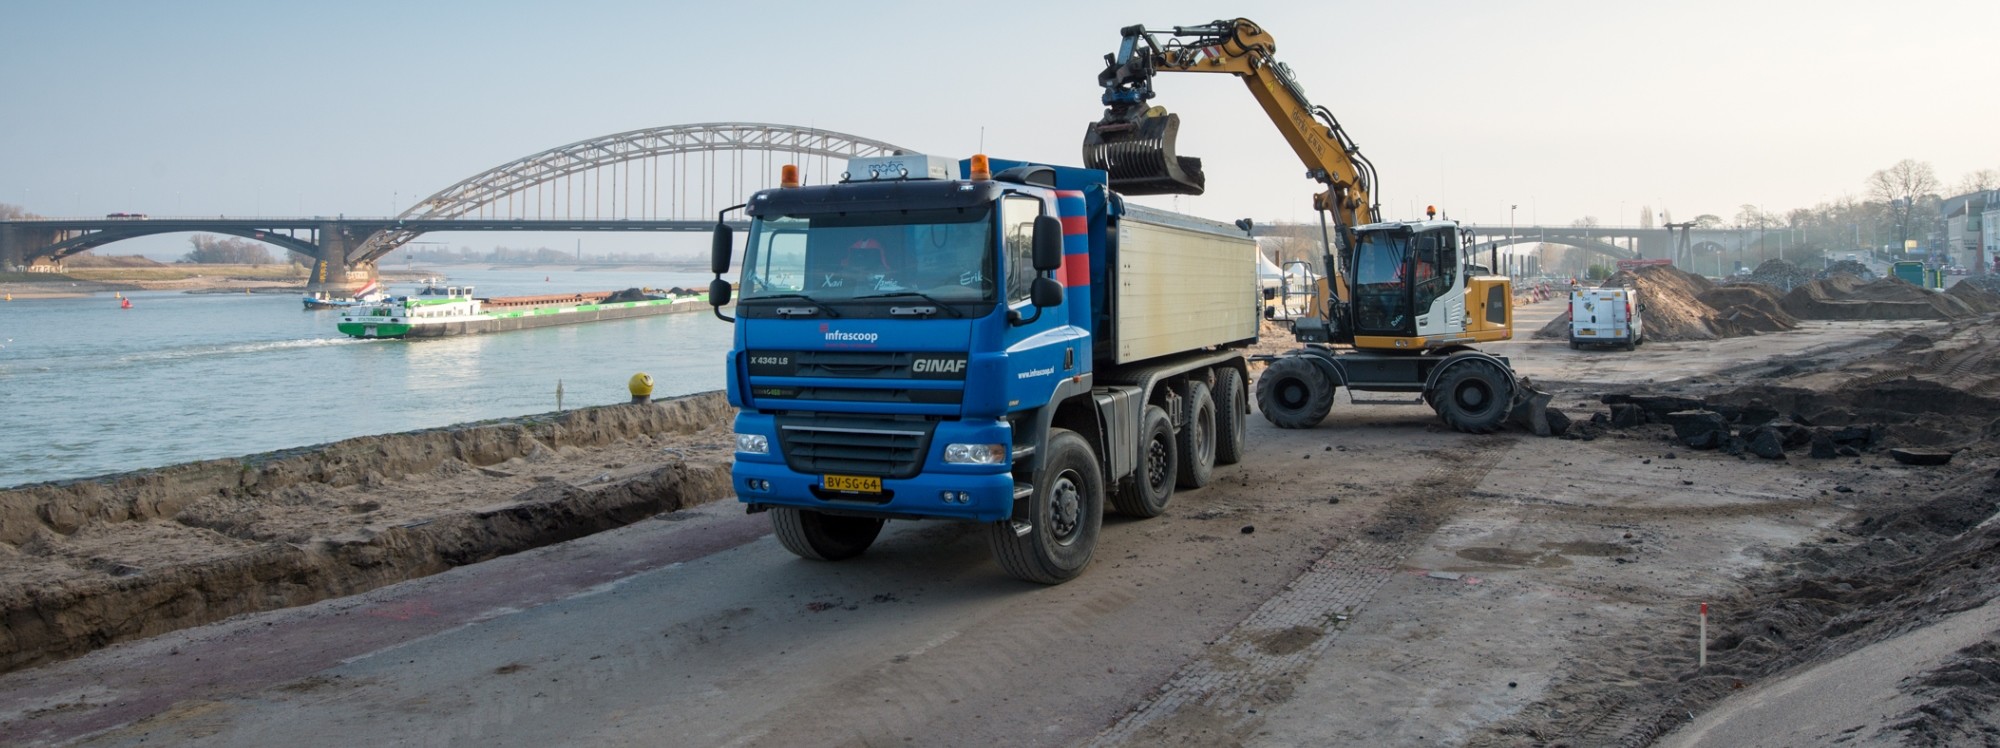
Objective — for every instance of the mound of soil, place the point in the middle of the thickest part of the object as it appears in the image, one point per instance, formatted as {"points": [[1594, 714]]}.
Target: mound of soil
{"points": [[1684, 306], [101, 560], [1849, 298], [1745, 308], [1981, 298]]}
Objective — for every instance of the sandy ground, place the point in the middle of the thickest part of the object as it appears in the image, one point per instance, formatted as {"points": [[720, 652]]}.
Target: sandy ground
{"points": [[1377, 580]]}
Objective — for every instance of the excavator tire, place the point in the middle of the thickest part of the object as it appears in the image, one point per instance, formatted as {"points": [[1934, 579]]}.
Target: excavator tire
{"points": [[1231, 420], [1294, 393], [1473, 397], [1196, 441], [823, 537], [1152, 485]]}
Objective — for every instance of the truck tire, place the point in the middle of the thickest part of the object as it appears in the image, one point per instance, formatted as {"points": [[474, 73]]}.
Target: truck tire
{"points": [[1294, 393], [1064, 513], [1231, 419], [1196, 442], [1575, 346], [823, 537], [1152, 485], [1473, 397]]}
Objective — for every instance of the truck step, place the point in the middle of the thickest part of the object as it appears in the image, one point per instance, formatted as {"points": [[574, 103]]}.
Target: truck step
{"points": [[1022, 491]]}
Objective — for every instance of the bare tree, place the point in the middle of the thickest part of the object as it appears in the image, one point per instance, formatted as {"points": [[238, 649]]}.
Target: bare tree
{"points": [[1586, 222], [1708, 221], [1979, 181], [1645, 216], [1901, 188], [9, 212]]}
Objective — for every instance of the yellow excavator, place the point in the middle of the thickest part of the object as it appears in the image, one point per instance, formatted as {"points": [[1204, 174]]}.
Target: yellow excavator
{"points": [[1400, 304]]}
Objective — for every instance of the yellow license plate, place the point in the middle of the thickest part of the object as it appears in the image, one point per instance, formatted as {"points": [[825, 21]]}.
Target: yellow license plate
{"points": [[1586, 332], [851, 483]]}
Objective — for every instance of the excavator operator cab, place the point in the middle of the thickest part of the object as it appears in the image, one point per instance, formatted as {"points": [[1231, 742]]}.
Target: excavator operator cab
{"points": [[1407, 278]]}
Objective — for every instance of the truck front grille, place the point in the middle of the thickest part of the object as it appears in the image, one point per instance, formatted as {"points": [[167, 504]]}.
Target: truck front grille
{"points": [[846, 446]]}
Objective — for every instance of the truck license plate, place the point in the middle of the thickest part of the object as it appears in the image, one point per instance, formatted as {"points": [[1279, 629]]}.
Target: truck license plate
{"points": [[851, 483]]}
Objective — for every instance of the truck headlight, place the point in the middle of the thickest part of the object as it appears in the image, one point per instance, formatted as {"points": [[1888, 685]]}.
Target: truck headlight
{"points": [[754, 444], [975, 454]]}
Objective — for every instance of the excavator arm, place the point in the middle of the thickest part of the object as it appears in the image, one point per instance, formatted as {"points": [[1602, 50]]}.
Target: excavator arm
{"points": [[1134, 142]]}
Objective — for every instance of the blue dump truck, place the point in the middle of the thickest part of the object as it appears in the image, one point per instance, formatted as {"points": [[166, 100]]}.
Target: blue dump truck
{"points": [[1001, 343]]}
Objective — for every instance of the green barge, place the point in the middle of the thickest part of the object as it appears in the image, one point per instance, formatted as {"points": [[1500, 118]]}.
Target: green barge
{"points": [[459, 312]]}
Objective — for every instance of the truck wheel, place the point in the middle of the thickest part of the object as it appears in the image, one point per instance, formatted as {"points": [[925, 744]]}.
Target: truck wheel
{"points": [[1196, 442], [1473, 397], [1231, 422], [1152, 485], [823, 537], [1575, 346], [1294, 393], [1064, 513]]}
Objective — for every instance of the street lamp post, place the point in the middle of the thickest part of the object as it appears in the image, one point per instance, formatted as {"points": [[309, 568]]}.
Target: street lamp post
{"points": [[1510, 231]]}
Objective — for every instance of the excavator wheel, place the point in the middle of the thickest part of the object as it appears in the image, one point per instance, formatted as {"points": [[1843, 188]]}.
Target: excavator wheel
{"points": [[1473, 397], [1138, 153], [1294, 393]]}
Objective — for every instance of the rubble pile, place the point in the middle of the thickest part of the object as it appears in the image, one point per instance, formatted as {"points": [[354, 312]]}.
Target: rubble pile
{"points": [[1780, 274], [1849, 298], [1982, 282], [1846, 267]]}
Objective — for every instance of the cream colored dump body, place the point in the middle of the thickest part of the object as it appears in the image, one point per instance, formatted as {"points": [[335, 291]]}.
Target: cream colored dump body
{"points": [[1183, 284]]}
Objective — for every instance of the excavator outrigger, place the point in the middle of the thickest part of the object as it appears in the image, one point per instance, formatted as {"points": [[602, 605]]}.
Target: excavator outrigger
{"points": [[1397, 297]]}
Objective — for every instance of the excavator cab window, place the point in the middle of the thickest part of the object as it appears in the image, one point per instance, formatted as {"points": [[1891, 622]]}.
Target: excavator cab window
{"points": [[1435, 270], [1381, 287]]}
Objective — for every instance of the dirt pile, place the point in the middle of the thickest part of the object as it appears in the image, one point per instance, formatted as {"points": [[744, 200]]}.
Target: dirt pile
{"points": [[1745, 308], [1780, 274], [1982, 282], [1845, 297], [1981, 298], [1846, 267], [102, 560], [1684, 306]]}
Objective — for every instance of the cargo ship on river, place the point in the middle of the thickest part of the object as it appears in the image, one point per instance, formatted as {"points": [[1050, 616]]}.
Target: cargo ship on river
{"points": [[459, 312]]}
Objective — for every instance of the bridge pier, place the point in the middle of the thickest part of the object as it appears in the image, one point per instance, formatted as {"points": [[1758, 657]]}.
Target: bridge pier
{"points": [[332, 273], [18, 245]]}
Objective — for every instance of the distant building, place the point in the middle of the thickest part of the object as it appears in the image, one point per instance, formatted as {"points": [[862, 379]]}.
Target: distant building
{"points": [[1969, 230]]}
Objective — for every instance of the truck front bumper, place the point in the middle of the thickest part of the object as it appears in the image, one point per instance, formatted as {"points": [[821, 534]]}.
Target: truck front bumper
{"points": [[969, 497]]}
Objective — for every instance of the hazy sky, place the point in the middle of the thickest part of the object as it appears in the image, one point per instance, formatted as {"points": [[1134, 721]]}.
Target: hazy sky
{"points": [[1564, 108]]}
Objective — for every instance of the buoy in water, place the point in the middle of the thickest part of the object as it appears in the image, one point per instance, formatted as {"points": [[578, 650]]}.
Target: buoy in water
{"points": [[125, 304]]}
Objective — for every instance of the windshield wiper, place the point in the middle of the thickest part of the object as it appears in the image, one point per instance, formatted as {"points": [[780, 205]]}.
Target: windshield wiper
{"points": [[809, 300], [918, 294]]}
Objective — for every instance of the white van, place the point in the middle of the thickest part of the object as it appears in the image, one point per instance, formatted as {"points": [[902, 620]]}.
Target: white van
{"points": [[1606, 316]]}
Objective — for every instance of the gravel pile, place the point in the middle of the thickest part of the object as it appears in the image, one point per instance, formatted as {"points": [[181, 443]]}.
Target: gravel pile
{"points": [[1780, 274], [1847, 267]]}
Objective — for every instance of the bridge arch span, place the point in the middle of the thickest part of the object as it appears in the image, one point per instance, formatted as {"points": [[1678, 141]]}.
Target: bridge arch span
{"points": [[1607, 249], [550, 183], [92, 240]]}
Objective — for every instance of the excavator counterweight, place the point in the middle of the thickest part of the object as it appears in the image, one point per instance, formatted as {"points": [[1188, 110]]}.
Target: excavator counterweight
{"points": [[1137, 150]]}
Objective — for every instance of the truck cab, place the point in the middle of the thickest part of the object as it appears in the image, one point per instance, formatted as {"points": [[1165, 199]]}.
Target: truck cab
{"points": [[938, 340]]}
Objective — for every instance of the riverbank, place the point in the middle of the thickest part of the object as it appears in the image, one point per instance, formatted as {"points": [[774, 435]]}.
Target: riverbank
{"points": [[96, 561], [87, 281]]}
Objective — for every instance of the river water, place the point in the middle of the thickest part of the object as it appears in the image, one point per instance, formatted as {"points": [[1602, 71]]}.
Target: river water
{"points": [[87, 388]]}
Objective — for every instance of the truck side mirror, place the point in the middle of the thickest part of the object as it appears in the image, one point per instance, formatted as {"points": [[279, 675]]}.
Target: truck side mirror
{"points": [[720, 248], [1270, 293], [718, 292], [1048, 249]]}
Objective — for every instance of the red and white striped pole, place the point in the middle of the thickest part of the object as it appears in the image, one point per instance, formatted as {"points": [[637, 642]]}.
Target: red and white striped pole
{"points": [[1701, 658]]}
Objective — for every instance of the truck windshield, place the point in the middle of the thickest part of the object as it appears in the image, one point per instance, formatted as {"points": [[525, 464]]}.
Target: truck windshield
{"points": [[944, 254]]}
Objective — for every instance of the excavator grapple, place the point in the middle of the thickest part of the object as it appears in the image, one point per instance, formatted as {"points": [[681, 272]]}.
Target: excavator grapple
{"points": [[1138, 152]]}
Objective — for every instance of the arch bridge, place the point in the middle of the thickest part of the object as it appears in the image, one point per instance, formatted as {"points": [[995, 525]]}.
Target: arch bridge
{"points": [[673, 178]]}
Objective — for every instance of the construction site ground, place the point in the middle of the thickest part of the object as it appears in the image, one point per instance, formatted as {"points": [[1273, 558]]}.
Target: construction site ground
{"points": [[1377, 580]]}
